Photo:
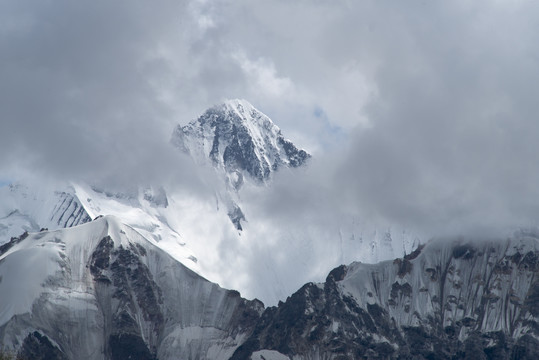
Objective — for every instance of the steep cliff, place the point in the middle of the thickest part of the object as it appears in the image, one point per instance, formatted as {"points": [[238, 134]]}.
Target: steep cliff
{"points": [[448, 300], [102, 291]]}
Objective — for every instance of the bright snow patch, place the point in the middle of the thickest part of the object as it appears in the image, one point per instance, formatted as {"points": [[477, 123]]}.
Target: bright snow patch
{"points": [[268, 355]]}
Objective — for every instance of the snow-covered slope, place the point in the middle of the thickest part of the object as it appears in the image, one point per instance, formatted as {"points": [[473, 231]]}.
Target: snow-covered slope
{"points": [[31, 208], [448, 300], [148, 210], [102, 291]]}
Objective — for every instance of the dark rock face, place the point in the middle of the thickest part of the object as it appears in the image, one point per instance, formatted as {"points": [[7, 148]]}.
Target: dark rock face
{"points": [[444, 301], [240, 152], [68, 211], [236, 216], [148, 306], [128, 346], [307, 321], [121, 273], [100, 260], [295, 156], [14, 240], [39, 347]]}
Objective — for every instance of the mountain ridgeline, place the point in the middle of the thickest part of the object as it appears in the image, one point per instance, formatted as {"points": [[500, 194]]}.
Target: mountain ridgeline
{"points": [[451, 299], [102, 291], [126, 285]]}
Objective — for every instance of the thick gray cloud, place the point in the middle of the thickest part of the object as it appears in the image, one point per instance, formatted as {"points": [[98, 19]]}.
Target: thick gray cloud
{"points": [[419, 113], [452, 145], [76, 98], [92, 90], [444, 137]]}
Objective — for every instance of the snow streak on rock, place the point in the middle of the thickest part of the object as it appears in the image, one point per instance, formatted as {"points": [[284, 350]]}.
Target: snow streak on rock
{"points": [[102, 291], [448, 300], [24, 208]]}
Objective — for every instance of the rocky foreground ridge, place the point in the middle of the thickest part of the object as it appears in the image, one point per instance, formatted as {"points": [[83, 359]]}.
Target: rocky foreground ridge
{"points": [[102, 291], [447, 300]]}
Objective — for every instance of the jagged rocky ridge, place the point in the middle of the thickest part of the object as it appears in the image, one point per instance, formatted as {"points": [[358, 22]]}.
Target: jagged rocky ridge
{"points": [[102, 291], [449, 300], [25, 209], [240, 140]]}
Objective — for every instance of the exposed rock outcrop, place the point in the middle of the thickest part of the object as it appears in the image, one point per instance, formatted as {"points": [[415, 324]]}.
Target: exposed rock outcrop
{"points": [[450, 300]]}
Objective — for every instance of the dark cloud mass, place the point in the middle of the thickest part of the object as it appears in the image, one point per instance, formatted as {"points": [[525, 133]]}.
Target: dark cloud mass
{"points": [[422, 114]]}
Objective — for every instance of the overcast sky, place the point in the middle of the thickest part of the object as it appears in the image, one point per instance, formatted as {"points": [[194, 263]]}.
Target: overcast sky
{"points": [[422, 113]]}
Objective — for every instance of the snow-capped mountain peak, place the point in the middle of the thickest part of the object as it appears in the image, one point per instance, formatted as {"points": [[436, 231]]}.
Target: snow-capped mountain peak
{"points": [[242, 144], [239, 139]]}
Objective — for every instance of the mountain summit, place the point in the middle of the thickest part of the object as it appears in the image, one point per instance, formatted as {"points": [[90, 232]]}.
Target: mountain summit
{"points": [[239, 139], [242, 144]]}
